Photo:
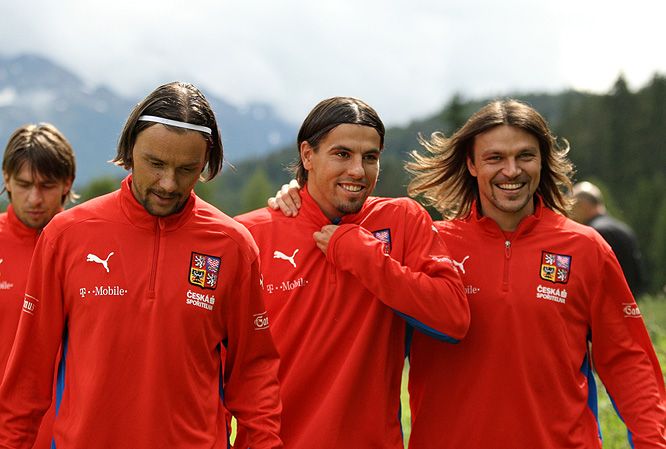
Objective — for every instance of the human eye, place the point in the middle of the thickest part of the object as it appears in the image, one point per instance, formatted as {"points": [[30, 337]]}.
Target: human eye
{"points": [[371, 157], [527, 156]]}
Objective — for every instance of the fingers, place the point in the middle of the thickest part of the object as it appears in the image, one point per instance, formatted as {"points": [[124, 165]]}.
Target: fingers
{"points": [[321, 240], [323, 236], [292, 194], [287, 199], [286, 206]]}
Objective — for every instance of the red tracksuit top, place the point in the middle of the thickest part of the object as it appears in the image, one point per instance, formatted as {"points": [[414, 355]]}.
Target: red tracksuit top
{"points": [[143, 304], [341, 344], [17, 241], [521, 377]]}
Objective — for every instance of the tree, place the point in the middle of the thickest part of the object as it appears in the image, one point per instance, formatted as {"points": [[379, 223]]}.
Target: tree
{"points": [[257, 189], [98, 187]]}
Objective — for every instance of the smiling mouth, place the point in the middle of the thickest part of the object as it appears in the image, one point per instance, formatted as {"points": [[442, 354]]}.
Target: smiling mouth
{"points": [[353, 188], [510, 186]]}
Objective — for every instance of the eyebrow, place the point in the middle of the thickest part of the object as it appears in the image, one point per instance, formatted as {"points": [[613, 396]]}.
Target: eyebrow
{"points": [[342, 147], [151, 158]]}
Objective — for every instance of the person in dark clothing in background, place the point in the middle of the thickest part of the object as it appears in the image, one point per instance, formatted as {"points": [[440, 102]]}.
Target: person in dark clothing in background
{"points": [[589, 208]]}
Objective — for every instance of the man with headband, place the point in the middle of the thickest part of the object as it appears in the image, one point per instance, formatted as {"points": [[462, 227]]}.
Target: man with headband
{"points": [[145, 287]]}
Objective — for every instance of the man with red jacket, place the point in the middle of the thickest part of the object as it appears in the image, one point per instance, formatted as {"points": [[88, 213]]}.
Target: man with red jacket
{"points": [[542, 289], [144, 287], [38, 169], [341, 280]]}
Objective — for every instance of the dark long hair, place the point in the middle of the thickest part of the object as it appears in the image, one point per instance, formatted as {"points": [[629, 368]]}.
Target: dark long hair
{"points": [[178, 101]]}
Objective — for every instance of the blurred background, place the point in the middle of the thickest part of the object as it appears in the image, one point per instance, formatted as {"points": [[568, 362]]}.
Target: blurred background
{"points": [[595, 69]]}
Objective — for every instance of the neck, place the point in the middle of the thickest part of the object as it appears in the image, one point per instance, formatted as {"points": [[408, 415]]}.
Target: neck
{"points": [[508, 221], [328, 210]]}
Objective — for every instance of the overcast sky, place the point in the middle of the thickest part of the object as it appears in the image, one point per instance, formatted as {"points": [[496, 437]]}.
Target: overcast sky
{"points": [[404, 57]]}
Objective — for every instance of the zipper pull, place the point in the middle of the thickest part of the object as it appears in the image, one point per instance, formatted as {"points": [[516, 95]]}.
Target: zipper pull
{"points": [[507, 248]]}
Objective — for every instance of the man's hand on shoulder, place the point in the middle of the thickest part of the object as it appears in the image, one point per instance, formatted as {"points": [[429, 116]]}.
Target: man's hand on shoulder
{"points": [[287, 199]]}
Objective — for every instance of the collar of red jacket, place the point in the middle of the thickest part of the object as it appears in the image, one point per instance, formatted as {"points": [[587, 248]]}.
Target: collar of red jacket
{"points": [[138, 215], [310, 210], [19, 229], [526, 224]]}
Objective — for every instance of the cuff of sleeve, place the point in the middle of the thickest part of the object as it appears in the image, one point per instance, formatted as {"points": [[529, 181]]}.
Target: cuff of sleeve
{"points": [[347, 247]]}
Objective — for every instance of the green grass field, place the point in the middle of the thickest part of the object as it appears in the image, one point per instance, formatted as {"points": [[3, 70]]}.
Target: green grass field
{"points": [[613, 430]]}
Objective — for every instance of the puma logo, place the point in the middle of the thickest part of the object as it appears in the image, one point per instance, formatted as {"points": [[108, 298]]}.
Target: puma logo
{"points": [[93, 258], [283, 256], [460, 265]]}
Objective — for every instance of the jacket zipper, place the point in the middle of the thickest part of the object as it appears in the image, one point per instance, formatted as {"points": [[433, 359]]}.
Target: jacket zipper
{"points": [[507, 257], [156, 254]]}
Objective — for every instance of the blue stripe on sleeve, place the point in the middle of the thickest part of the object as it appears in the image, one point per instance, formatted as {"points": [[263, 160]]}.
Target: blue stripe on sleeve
{"points": [[424, 329], [60, 381]]}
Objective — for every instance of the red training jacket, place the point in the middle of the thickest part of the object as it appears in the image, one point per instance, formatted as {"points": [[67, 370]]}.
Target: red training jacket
{"points": [[522, 376], [334, 321], [143, 304], [17, 241]]}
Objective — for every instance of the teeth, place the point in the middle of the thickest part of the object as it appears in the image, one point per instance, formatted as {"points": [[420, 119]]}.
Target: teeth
{"points": [[510, 186], [351, 188]]}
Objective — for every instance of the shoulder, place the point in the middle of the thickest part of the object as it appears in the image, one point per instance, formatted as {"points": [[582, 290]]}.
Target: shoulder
{"points": [[393, 205], [607, 224], [266, 221], [585, 237], [4, 226], [456, 229], [210, 217], [93, 209], [255, 217]]}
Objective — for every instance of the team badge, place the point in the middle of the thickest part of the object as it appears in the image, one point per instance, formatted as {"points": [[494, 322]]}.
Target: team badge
{"points": [[384, 236], [204, 270], [555, 267]]}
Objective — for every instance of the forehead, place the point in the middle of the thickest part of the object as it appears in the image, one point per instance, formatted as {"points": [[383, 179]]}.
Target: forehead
{"points": [[505, 138], [353, 137], [27, 173], [160, 142]]}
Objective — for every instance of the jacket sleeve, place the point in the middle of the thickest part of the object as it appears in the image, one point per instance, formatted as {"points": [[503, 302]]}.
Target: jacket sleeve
{"points": [[625, 358], [252, 392], [27, 387], [425, 288]]}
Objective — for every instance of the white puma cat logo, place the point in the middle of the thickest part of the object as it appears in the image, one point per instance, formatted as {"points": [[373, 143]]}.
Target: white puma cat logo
{"points": [[93, 258], [460, 264], [283, 256]]}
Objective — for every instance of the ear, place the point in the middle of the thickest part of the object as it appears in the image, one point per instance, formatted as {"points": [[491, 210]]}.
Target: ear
{"points": [[67, 186], [470, 166], [306, 155], [5, 178]]}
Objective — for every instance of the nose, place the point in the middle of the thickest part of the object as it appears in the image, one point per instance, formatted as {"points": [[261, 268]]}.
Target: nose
{"points": [[355, 168], [511, 168], [168, 181], [35, 196]]}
